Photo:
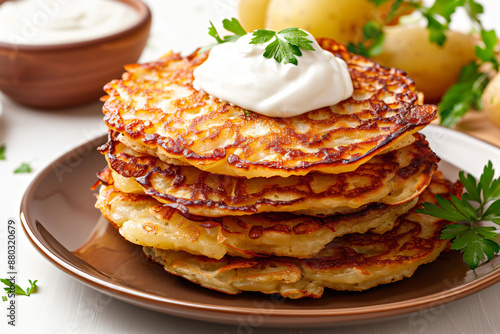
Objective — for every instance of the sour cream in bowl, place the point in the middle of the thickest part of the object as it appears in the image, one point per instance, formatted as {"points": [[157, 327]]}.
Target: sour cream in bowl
{"points": [[60, 53]]}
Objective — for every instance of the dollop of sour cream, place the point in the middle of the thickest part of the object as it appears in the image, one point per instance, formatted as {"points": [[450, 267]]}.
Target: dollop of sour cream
{"points": [[238, 72], [62, 21]]}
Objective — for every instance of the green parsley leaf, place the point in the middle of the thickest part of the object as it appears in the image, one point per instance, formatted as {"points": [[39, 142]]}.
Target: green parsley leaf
{"points": [[446, 211], [2, 152], [372, 29], [464, 207], [33, 287], [17, 289], [473, 9], [494, 190], [248, 113], [297, 37], [490, 187], [445, 8], [5, 281], [263, 36], [235, 27], [282, 51], [486, 231], [473, 240], [232, 25], [487, 54], [378, 46], [454, 230], [493, 212], [213, 32], [466, 93], [436, 30], [439, 17], [463, 95], [24, 168], [471, 186], [475, 247], [285, 45]]}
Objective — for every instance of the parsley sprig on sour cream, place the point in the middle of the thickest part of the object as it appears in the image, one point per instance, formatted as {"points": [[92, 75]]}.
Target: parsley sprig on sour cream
{"points": [[285, 45]]}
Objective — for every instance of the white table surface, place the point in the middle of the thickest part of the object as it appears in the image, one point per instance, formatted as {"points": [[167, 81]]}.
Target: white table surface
{"points": [[63, 305]]}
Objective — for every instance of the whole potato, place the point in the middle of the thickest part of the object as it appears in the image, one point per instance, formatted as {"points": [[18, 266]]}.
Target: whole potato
{"points": [[342, 20], [491, 100], [433, 68], [252, 14]]}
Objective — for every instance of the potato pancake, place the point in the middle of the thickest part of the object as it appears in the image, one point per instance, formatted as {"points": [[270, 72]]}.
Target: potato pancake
{"points": [[391, 178], [353, 262], [158, 112], [143, 220]]}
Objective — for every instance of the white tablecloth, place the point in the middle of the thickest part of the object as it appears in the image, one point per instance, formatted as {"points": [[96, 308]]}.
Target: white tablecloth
{"points": [[63, 305]]}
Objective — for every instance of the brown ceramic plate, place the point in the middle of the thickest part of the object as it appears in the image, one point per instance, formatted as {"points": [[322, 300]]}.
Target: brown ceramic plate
{"points": [[59, 217]]}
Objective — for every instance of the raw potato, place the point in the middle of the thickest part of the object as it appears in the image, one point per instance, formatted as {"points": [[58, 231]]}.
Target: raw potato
{"points": [[252, 14], [341, 20], [491, 100], [434, 69]]}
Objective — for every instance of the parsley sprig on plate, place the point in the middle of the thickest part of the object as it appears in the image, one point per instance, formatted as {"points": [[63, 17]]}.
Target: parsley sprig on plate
{"points": [[284, 46], [480, 202]]}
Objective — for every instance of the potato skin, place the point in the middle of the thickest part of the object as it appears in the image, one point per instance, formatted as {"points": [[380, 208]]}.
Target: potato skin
{"points": [[341, 20], [252, 14], [491, 100], [434, 69]]}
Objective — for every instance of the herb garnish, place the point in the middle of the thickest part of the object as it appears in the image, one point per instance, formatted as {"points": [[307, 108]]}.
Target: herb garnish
{"points": [[466, 93], [17, 289], [233, 26], [2, 152], [480, 202], [285, 45], [24, 168]]}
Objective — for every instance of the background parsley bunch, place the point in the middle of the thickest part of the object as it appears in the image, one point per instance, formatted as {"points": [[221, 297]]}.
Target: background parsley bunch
{"points": [[466, 93]]}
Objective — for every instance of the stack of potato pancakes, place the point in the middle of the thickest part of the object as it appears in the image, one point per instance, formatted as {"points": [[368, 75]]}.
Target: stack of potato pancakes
{"points": [[237, 201]]}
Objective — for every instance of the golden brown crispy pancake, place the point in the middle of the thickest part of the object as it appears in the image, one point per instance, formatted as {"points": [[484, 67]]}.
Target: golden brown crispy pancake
{"points": [[144, 221], [158, 112], [352, 262], [391, 178]]}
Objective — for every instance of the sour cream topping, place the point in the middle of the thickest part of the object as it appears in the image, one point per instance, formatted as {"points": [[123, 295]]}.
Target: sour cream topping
{"points": [[62, 21], [238, 72]]}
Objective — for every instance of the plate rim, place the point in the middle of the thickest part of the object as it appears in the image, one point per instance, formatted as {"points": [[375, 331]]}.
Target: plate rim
{"points": [[274, 316]]}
